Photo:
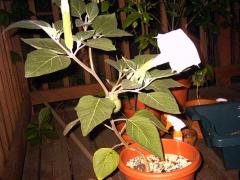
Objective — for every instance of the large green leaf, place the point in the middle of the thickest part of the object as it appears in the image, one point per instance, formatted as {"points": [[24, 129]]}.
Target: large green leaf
{"points": [[105, 161], [158, 85], [29, 24], [92, 11], [44, 61], [101, 43], [127, 84], [162, 101], [146, 113], [131, 19], [142, 59], [44, 43], [83, 35], [106, 25], [156, 73], [77, 8], [144, 132], [92, 111]]}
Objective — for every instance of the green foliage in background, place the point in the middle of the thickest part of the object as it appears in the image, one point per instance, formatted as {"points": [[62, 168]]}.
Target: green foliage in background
{"points": [[41, 128]]}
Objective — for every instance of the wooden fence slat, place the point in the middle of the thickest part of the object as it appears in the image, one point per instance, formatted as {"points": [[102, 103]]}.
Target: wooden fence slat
{"points": [[61, 94], [4, 136], [125, 44], [31, 163]]}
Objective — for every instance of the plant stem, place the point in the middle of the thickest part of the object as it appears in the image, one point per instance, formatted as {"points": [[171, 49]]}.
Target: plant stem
{"points": [[91, 71], [91, 59], [130, 147]]}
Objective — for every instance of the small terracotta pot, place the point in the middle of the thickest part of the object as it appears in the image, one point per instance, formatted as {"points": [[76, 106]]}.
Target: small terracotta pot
{"points": [[195, 124], [169, 146], [189, 136], [180, 93]]}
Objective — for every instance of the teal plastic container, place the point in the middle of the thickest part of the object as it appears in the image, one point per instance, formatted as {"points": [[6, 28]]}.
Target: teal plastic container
{"points": [[220, 125]]}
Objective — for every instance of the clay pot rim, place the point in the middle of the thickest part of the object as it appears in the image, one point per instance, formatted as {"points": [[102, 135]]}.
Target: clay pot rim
{"points": [[179, 173]]}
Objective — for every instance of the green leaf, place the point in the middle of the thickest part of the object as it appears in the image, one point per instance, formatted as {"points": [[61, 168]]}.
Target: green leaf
{"points": [[83, 35], [115, 33], [142, 59], [101, 43], [158, 85], [106, 25], [69, 126], [156, 74], [44, 61], [92, 11], [44, 115], [127, 84], [144, 132], [131, 19], [92, 111], [152, 117], [44, 43], [105, 161], [113, 64], [77, 8], [162, 101], [29, 24]]}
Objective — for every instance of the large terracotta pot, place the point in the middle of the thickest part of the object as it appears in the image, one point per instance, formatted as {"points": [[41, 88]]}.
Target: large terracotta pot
{"points": [[195, 124], [180, 93], [169, 146]]}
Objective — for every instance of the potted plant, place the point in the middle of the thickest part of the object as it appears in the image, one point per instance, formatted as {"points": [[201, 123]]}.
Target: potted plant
{"points": [[199, 79], [138, 75]]}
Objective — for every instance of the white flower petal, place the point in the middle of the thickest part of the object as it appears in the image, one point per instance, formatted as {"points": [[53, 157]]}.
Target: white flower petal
{"points": [[177, 49]]}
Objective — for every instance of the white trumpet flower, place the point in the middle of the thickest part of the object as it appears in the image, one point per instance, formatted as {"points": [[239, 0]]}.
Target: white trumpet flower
{"points": [[177, 49]]}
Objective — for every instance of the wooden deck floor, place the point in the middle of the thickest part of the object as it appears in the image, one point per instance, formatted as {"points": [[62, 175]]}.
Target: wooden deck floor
{"points": [[62, 160]]}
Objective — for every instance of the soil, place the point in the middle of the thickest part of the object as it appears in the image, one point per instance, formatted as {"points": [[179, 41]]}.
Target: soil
{"points": [[172, 162]]}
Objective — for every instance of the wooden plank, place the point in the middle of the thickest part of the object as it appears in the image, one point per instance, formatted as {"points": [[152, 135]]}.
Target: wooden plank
{"points": [[223, 74], [7, 87], [4, 136], [31, 163], [14, 165], [214, 164], [81, 166], [60, 94], [163, 17], [125, 44], [5, 109], [107, 67], [224, 46], [203, 46], [55, 163]]}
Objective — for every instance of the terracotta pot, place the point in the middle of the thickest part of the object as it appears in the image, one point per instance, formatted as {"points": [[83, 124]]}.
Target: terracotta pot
{"points": [[180, 93], [169, 146], [197, 102], [195, 124]]}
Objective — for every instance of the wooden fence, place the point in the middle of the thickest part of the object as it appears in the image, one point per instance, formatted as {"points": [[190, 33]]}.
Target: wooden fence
{"points": [[15, 109]]}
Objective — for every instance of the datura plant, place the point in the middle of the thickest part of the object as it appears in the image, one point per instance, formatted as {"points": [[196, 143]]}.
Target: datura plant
{"points": [[138, 75]]}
